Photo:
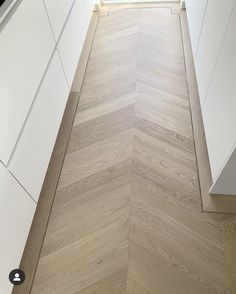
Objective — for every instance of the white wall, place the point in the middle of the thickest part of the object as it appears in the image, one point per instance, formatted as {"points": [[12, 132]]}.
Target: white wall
{"points": [[215, 63]]}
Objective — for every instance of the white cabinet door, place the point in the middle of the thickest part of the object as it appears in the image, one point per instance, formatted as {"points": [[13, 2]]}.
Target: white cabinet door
{"points": [[71, 42], [220, 106], [88, 8], [26, 45], [16, 214], [57, 13], [195, 13], [214, 27], [225, 182], [30, 160]]}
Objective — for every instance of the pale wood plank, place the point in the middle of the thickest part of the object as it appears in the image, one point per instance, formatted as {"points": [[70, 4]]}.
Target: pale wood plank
{"points": [[127, 217]]}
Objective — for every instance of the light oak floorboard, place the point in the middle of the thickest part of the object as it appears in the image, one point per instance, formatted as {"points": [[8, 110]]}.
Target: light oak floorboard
{"points": [[127, 216]]}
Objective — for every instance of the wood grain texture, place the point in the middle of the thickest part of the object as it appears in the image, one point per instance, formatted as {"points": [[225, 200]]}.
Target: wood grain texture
{"points": [[127, 216], [211, 203], [34, 243], [35, 240]]}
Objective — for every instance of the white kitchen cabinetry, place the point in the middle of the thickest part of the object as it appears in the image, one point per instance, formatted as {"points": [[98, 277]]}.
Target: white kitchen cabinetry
{"points": [[215, 63], [195, 13], [213, 31], [88, 8], [225, 182], [26, 45], [58, 12], [71, 42], [33, 95], [219, 112], [32, 154], [16, 214]]}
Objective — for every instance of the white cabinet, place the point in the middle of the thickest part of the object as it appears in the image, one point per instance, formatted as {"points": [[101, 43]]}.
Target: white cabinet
{"points": [[30, 160], [220, 106], [195, 13], [88, 8], [16, 214], [213, 31], [71, 42], [212, 26], [26, 45], [33, 96], [58, 12], [225, 182]]}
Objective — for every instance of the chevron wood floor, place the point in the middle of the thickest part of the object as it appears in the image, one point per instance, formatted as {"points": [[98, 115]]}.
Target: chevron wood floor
{"points": [[127, 216]]}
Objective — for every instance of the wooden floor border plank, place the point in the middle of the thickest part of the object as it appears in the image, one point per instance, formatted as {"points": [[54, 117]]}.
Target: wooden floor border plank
{"points": [[114, 6], [38, 229], [210, 202]]}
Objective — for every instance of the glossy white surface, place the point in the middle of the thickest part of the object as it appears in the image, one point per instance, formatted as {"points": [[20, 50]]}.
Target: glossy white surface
{"points": [[71, 42], [213, 31], [88, 9], [33, 151], [195, 13], [26, 45], [220, 106], [57, 13], [225, 183], [16, 214]]}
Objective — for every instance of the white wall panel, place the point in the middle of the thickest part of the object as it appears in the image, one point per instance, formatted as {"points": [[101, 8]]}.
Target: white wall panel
{"points": [[16, 214], [213, 31], [26, 45], [220, 106], [57, 13], [33, 151], [71, 42]]}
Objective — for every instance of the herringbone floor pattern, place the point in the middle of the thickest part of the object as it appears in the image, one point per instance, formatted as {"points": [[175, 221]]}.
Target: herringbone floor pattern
{"points": [[127, 215]]}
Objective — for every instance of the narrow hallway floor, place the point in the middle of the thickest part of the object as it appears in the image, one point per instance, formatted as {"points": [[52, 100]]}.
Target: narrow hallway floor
{"points": [[127, 214]]}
